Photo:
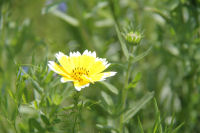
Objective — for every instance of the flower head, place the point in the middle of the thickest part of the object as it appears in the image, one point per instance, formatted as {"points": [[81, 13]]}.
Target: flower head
{"points": [[132, 33], [81, 69], [133, 37]]}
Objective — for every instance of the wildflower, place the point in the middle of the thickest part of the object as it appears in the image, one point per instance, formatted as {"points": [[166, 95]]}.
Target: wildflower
{"points": [[133, 37], [80, 69]]}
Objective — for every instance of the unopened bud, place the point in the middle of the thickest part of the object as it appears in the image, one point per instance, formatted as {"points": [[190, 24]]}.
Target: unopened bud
{"points": [[133, 37]]}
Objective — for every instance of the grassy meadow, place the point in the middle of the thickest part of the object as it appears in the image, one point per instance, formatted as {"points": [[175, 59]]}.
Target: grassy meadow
{"points": [[153, 45]]}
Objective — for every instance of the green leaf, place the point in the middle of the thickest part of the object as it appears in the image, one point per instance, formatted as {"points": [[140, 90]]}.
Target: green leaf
{"points": [[12, 95], [177, 128], [45, 119], [139, 57], [57, 99], [34, 124], [140, 124], [158, 116], [35, 104], [14, 112], [106, 128], [107, 98], [136, 107], [123, 44], [70, 20], [34, 82], [37, 86], [55, 121], [157, 11], [110, 87], [135, 81], [171, 124]]}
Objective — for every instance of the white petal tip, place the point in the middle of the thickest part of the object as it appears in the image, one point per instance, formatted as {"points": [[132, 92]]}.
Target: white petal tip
{"points": [[62, 80], [104, 61], [113, 73], [74, 54], [78, 88], [89, 53], [51, 64], [59, 55], [107, 65], [81, 87], [85, 52], [107, 74]]}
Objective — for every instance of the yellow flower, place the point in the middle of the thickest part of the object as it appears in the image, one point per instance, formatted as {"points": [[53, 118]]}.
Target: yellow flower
{"points": [[81, 69]]}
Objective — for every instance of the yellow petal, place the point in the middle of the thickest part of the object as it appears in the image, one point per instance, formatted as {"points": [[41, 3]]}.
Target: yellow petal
{"points": [[79, 85], [66, 79], [102, 76], [98, 66], [86, 61], [57, 68], [65, 62]]}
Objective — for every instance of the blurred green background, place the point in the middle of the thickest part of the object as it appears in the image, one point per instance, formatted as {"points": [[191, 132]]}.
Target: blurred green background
{"points": [[32, 99]]}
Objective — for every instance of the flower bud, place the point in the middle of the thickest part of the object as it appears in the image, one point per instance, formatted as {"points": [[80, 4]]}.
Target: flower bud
{"points": [[133, 37]]}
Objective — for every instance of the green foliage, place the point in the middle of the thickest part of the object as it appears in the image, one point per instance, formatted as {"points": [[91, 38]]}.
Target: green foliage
{"points": [[137, 106], [156, 88]]}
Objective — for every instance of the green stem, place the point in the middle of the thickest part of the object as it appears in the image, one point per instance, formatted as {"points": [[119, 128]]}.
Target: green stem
{"points": [[124, 92], [14, 125], [76, 110]]}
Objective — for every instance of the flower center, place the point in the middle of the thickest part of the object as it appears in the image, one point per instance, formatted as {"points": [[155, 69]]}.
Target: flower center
{"points": [[77, 73]]}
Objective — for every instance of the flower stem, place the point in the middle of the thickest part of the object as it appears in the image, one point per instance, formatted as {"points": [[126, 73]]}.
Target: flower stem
{"points": [[124, 92], [76, 110], [14, 125], [124, 97]]}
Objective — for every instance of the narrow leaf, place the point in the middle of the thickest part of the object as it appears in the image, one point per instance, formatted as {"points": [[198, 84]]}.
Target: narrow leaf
{"points": [[140, 124], [106, 128], [158, 115], [65, 17], [45, 119], [139, 57], [107, 98], [35, 124], [123, 44], [136, 107], [177, 128], [157, 11], [110, 87], [135, 80], [35, 83]]}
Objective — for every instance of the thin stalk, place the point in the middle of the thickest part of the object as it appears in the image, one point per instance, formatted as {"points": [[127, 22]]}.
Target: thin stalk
{"points": [[15, 128], [76, 110], [14, 125], [125, 90]]}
